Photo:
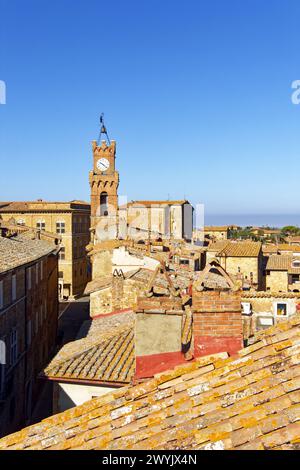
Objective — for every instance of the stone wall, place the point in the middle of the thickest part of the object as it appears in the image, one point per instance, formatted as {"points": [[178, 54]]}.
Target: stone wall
{"points": [[122, 294], [242, 265], [264, 310], [74, 266], [33, 315], [277, 281]]}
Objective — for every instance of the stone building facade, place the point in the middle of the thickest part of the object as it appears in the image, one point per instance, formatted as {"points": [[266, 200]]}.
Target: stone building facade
{"points": [[71, 222], [264, 309], [142, 220], [28, 323], [215, 233], [283, 273], [242, 260]]}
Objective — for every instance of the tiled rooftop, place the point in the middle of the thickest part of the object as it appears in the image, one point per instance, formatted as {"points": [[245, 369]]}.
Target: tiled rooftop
{"points": [[269, 294], [20, 250], [294, 239], [251, 401], [105, 353], [266, 249], [215, 228], [29, 206], [291, 248], [160, 202], [241, 249], [180, 280], [217, 246], [235, 249], [282, 263], [279, 263]]}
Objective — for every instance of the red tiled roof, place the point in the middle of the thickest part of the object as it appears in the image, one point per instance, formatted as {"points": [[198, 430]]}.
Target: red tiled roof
{"points": [[251, 401], [241, 249]]}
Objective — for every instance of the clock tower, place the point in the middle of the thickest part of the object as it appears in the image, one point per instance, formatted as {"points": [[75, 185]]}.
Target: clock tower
{"points": [[104, 182]]}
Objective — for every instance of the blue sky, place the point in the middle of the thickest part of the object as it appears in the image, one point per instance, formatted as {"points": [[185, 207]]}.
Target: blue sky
{"points": [[197, 95]]}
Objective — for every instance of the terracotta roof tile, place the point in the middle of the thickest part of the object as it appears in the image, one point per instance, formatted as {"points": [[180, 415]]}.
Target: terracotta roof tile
{"points": [[290, 248], [42, 206], [105, 354], [283, 263], [20, 250], [216, 228], [216, 402], [241, 249], [159, 202], [217, 246]]}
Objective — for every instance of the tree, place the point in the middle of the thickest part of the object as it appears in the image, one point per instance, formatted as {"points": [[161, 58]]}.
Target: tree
{"points": [[290, 230]]}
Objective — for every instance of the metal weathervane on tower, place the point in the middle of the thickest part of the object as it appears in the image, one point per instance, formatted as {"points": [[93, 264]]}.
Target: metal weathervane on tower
{"points": [[103, 130]]}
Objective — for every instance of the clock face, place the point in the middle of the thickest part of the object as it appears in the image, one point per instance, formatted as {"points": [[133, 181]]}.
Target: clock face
{"points": [[103, 164]]}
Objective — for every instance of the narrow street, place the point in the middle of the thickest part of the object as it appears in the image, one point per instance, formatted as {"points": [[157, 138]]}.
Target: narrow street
{"points": [[71, 319], [71, 316]]}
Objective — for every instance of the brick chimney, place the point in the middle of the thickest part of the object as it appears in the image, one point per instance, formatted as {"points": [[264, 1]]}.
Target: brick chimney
{"points": [[217, 322]]}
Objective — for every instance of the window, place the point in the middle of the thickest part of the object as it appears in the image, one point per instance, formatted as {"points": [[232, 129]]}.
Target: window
{"points": [[281, 310], [13, 346], [62, 253], [13, 287], [295, 278], [184, 261], [40, 225], [60, 274], [1, 295], [60, 227], [21, 222], [29, 278], [296, 264], [103, 204]]}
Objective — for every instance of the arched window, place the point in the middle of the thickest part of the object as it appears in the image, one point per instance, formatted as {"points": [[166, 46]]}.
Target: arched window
{"points": [[103, 204]]}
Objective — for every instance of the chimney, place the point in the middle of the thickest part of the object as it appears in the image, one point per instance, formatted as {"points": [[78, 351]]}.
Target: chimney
{"points": [[158, 328], [217, 322]]}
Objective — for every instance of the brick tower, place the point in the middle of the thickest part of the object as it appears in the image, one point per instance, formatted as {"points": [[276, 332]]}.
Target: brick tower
{"points": [[104, 182]]}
